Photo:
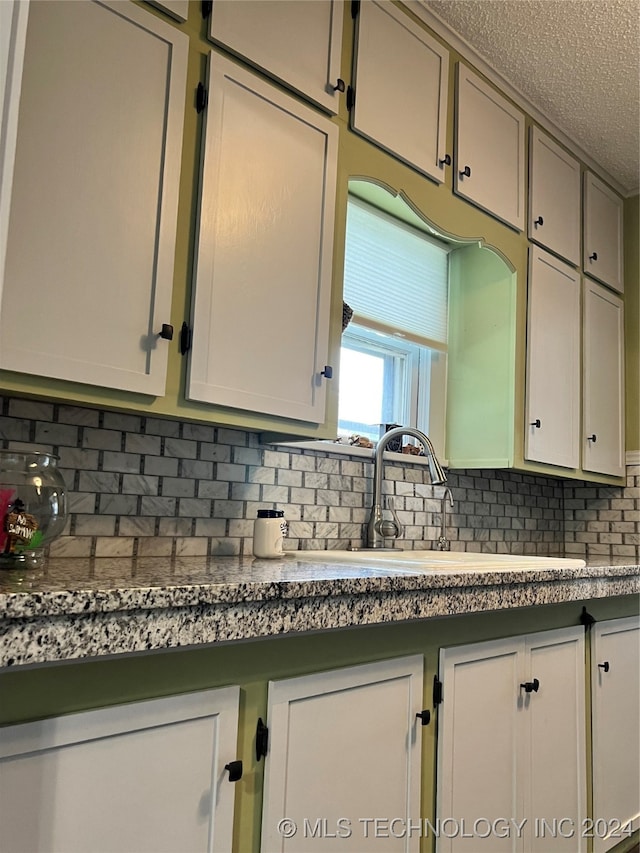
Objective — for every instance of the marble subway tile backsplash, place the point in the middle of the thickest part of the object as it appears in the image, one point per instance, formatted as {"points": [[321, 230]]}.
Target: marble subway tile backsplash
{"points": [[152, 487]]}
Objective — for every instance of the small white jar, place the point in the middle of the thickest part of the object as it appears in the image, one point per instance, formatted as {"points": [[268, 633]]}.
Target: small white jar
{"points": [[269, 529]]}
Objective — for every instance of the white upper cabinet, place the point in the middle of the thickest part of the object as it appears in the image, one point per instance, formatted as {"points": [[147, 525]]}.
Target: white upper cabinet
{"points": [[401, 85], [552, 429], [13, 28], [602, 250], [490, 163], [603, 381], [92, 221], [298, 43], [265, 244], [554, 197]]}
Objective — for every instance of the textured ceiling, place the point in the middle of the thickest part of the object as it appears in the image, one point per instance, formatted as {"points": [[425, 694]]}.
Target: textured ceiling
{"points": [[577, 61]]}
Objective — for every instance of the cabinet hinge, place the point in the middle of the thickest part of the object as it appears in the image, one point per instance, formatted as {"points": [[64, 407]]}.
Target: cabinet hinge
{"points": [[351, 97], [262, 739], [206, 7], [186, 339], [586, 618], [355, 8], [437, 691], [202, 97]]}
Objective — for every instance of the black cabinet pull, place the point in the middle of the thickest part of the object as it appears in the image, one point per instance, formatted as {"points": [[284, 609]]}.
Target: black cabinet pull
{"points": [[340, 86], [327, 372], [262, 739], [466, 172], [605, 666], [445, 161], [592, 438], [538, 221], [593, 257], [424, 717], [235, 770], [166, 332], [531, 686], [537, 423]]}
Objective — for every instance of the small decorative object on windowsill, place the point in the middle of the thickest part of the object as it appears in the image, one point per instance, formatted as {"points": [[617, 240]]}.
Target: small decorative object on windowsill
{"points": [[412, 450], [360, 441], [347, 314], [33, 507]]}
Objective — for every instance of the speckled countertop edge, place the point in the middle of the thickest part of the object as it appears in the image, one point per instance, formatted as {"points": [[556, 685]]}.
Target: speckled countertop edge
{"points": [[83, 586], [81, 609]]}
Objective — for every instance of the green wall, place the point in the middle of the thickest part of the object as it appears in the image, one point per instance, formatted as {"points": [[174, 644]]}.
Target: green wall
{"points": [[632, 319]]}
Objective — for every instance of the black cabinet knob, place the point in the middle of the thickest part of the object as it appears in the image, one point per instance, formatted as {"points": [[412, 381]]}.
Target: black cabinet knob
{"points": [[537, 423], [166, 332], [605, 666], [592, 438], [424, 717], [327, 372], [446, 160], [531, 686], [538, 221], [593, 257], [466, 172], [235, 770], [340, 86]]}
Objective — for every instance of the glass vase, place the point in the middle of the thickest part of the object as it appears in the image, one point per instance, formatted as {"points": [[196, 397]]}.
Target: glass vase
{"points": [[33, 506]]}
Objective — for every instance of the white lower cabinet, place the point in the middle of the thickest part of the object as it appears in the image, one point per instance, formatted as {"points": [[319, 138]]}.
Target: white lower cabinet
{"points": [[148, 776], [512, 745], [615, 703], [344, 749]]}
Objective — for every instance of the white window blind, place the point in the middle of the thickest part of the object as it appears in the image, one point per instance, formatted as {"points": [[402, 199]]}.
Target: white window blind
{"points": [[395, 276]]}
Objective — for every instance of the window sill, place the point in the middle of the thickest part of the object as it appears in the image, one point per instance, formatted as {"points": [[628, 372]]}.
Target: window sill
{"points": [[355, 452]]}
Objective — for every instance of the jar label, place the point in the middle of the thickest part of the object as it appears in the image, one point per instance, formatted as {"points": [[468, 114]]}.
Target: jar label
{"points": [[20, 528]]}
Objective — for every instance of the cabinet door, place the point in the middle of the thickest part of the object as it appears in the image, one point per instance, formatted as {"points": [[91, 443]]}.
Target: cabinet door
{"points": [[13, 28], [344, 744], [92, 224], [299, 43], [554, 771], [178, 9], [603, 394], [490, 164], [401, 103], [149, 777], [603, 233], [512, 744], [554, 197], [263, 275], [615, 698], [479, 742], [552, 429]]}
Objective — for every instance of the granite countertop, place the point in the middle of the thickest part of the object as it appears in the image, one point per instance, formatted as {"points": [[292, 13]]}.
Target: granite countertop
{"points": [[77, 608]]}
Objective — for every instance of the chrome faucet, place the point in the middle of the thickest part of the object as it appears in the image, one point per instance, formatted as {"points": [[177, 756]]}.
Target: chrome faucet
{"points": [[379, 529], [443, 543]]}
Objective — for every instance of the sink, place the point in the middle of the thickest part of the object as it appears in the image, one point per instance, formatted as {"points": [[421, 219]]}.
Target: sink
{"points": [[421, 561]]}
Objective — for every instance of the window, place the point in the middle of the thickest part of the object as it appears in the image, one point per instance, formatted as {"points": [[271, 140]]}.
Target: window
{"points": [[393, 355]]}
